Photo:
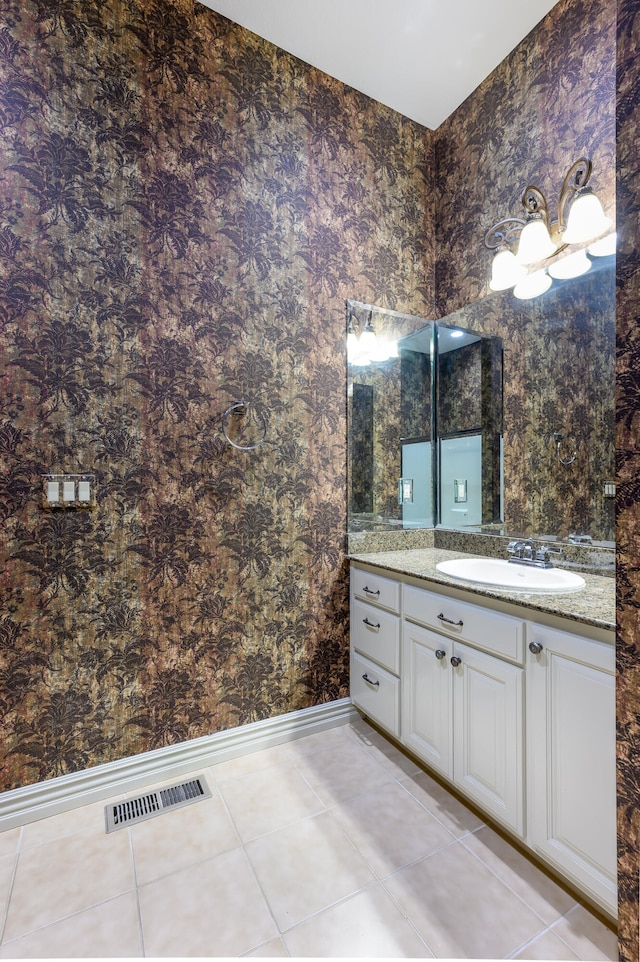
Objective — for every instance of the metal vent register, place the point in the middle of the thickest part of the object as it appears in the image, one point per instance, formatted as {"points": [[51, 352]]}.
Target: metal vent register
{"points": [[133, 810]]}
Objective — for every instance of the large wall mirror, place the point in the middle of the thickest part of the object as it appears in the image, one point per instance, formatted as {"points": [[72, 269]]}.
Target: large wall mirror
{"points": [[509, 429], [425, 423]]}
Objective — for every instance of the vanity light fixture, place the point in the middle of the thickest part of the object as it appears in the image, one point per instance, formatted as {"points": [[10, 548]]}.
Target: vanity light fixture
{"points": [[540, 238], [368, 348]]}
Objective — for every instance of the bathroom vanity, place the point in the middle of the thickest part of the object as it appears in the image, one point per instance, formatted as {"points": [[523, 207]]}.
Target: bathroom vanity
{"points": [[507, 696]]}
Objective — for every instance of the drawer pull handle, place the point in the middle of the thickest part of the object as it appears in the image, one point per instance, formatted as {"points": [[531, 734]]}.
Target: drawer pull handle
{"points": [[455, 661], [369, 681], [440, 654], [448, 621], [369, 591], [370, 624], [535, 647]]}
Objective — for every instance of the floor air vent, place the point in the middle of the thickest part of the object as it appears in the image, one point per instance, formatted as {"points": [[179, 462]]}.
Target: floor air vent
{"points": [[134, 810]]}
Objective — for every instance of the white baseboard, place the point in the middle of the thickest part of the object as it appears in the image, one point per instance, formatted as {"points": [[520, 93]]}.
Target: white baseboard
{"points": [[33, 802]]}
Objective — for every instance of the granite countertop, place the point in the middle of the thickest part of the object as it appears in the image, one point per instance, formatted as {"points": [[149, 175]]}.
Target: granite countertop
{"points": [[593, 605]]}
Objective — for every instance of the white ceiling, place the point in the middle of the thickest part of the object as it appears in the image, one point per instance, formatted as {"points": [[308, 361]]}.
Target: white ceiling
{"points": [[420, 57]]}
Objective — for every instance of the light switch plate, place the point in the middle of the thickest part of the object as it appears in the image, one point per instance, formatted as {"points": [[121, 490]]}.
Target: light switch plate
{"points": [[63, 491]]}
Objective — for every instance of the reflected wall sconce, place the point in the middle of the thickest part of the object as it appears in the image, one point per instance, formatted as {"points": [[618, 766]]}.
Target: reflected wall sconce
{"points": [[581, 220], [368, 348]]}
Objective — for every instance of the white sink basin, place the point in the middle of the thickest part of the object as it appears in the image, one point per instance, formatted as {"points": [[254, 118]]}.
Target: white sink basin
{"points": [[514, 577]]}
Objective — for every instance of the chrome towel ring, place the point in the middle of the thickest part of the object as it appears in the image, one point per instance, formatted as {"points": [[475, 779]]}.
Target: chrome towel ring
{"points": [[241, 409]]}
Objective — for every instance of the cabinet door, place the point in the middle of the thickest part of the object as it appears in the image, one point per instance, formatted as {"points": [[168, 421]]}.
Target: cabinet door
{"points": [[426, 696], [571, 751], [488, 733]]}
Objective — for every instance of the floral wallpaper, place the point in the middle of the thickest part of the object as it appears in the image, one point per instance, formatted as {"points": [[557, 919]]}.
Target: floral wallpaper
{"points": [[185, 209], [628, 472], [551, 101]]}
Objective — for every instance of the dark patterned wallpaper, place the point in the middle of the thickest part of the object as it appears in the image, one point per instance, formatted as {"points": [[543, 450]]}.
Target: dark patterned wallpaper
{"points": [[549, 102], [185, 209], [628, 473]]}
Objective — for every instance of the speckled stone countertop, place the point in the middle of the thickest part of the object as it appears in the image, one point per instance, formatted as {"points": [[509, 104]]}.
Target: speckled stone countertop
{"points": [[593, 605]]}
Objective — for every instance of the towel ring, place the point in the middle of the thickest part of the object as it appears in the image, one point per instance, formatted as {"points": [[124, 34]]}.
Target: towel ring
{"points": [[241, 407], [569, 443]]}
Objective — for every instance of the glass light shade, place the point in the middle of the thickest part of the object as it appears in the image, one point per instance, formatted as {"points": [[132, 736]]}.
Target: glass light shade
{"points": [[604, 247], [572, 266], [381, 349], [533, 285], [535, 244], [586, 220], [367, 343], [505, 271], [353, 347]]}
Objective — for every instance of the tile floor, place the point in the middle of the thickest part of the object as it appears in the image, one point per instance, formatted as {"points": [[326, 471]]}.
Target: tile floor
{"points": [[335, 845]]}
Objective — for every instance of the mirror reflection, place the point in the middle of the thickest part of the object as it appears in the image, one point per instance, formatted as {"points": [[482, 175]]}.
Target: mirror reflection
{"points": [[526, 401]]}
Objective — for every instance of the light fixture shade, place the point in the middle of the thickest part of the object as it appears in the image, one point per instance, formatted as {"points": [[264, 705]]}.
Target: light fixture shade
{"points": [[572, 266], [505, 271], [586, 220], [604, 247], [533, 285], [535, 244], [367, 344], [352, 345]]}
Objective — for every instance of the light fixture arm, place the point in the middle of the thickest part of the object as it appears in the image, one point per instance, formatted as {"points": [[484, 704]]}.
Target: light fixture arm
{"points": [[535, 204], [503, 233], [576, 178]]}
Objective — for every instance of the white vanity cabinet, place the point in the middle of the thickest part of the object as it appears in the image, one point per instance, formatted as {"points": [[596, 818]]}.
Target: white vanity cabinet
{"points": [[518, 715], [375, 648], [462, 705], [571, 721]]}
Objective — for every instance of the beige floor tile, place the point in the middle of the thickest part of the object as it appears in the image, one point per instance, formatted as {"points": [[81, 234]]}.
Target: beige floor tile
{"points": [[369, 925], [342, 772], [109, 930], [460, 908], [64, 877], [453, 814], [382, 750], [390, 828], [83, 819], [586, 935], [213, 908], [547, 899], [306, 867], [175, 839], [275, 949], [7, 866], [252, 762], [327, 740], [267, 800], [9, 841], [546, 946]]}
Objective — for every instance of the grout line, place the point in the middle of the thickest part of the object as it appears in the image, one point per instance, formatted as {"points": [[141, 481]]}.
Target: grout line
{"points": [[16, 857], [136, 890]]}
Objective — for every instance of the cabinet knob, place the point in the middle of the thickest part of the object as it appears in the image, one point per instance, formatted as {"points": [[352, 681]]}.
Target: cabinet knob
{"points": [[455, 661], [369, 681], [370, 591], [535, 647], [440, 654]]}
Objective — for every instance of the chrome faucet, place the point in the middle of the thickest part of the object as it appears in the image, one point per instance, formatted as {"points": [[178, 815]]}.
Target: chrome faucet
{"points": [[524, 552]]}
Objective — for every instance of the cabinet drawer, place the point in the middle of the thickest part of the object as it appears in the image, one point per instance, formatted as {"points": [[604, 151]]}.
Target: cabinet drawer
{"points": [[376, 692], [490, 630], [375, 589], [376, 634]]}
